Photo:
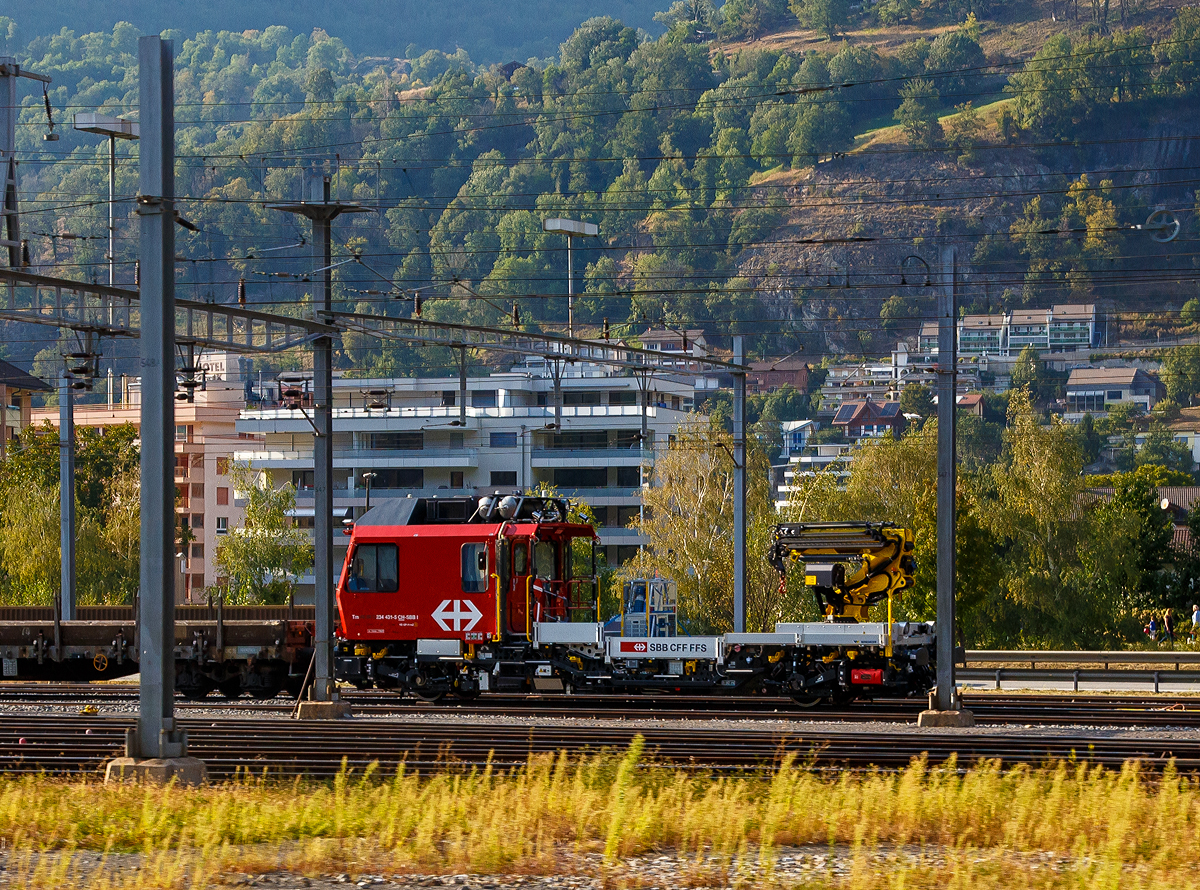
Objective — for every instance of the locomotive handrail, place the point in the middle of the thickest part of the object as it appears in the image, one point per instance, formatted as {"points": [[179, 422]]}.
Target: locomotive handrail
{"points": [[528, 608], [496, 635], [572, 600]]}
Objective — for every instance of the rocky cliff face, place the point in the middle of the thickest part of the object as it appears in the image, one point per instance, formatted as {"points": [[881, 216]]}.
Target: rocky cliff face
{"points": [[852, 221]]}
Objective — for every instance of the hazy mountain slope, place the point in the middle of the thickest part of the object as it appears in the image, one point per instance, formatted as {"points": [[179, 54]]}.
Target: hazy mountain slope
{"points": [[490, 30]]}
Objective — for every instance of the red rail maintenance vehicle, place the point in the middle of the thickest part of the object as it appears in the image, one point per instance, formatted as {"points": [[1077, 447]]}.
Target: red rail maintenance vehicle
{"points": [[463, 595]]}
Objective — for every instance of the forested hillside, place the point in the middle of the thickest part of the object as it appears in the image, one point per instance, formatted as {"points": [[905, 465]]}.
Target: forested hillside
{"points": [[490, 30], [767, 191]]}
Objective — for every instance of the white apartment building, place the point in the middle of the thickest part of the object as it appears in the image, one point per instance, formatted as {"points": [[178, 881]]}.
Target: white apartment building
{"points": [[883, 381], [832, 457], [864, 380], [1065, 327], [417, 436]]}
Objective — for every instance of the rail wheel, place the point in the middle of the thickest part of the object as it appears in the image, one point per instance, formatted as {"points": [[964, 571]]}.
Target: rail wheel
{"points": [[466, 694], [431, 695], [231, 688]]}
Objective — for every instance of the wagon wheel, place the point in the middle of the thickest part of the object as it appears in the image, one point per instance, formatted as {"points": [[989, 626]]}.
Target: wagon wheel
{"points": [[431, 696], [807, 701]]}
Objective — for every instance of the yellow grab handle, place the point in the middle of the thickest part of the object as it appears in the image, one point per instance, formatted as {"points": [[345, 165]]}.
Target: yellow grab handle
{"points": [[496, 635]]}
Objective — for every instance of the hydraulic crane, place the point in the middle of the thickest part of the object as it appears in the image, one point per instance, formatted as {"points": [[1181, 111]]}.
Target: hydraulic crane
{"points": [[850, 565]]}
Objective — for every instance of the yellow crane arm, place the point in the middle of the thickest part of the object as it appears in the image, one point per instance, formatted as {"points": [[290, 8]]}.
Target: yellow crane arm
{"points": [[850, 565]]}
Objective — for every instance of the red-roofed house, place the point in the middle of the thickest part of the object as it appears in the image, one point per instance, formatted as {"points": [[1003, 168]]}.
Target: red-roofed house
{"points": [[869, 420], [972, 403]]}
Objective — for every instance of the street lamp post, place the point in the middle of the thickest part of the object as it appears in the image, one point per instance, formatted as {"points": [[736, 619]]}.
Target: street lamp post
{"points": [[572, 229], [114, 128], [367, 477]]}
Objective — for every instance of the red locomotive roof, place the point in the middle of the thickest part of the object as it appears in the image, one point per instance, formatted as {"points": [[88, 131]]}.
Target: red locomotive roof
{"points": [[474, 530]]}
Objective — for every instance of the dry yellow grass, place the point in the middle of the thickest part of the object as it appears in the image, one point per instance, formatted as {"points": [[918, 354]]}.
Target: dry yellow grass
{"points": [[1065, 826]]}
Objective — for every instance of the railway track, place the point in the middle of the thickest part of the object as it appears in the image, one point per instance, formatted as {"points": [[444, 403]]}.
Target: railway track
{"points": [[1032, 709], [80, 745]]}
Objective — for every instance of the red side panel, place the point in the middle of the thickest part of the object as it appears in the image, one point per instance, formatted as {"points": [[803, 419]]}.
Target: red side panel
{"points": [[430, 602]]}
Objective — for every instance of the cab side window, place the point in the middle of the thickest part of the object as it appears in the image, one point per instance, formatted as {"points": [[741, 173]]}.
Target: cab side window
{"points": [[475, 568], [375, 569], [544, 561]]}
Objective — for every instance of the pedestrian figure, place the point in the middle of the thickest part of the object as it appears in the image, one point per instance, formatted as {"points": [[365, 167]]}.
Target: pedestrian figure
{"points": [[1168, 627], [1195, 621], [1152, 628]]}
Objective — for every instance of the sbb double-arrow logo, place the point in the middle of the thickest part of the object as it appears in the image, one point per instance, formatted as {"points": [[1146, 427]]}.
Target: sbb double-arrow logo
{"points": [[627, 646], [463, 613]]}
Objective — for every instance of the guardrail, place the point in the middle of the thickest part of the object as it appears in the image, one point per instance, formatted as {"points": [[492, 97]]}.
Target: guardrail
{"points": [[1174, 657], [1156, 666]]}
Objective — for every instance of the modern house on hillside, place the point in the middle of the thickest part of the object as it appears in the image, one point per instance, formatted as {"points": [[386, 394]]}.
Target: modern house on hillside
{"points": [[1065, 327], [868, 419], [1099, 389]]}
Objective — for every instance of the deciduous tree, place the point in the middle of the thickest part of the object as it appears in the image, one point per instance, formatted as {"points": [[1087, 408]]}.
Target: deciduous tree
{"points": [[829, 17], [263, 557], [688, 525], [1181, 374], [918, 114]]}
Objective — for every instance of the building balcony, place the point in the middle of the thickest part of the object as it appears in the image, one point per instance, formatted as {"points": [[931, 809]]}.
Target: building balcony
{"points": [[604, 497], [620, 537], [353, 459], [285, 420], [275, 460], [550, 458], [424, 458], [357, 497]]}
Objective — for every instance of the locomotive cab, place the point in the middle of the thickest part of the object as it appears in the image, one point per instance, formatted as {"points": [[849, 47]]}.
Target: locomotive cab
{"points": [[552, 576], [437, 593]]}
